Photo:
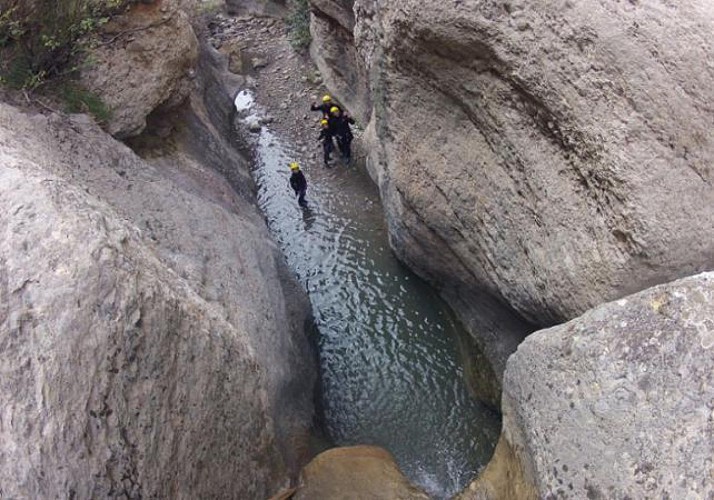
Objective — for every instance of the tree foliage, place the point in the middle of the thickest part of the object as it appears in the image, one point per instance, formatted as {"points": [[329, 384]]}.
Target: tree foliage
{"points": [[39, 39]]}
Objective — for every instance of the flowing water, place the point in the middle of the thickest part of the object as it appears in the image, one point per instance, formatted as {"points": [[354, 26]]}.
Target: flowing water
{"points": [[389, 370]]}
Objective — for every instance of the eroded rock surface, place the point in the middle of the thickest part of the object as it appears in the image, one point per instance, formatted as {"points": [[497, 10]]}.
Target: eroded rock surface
{"points": [[355, 472], [556, 155], [334, 51], [147, 60], [618, 403], [275, 8], [151, 344]]}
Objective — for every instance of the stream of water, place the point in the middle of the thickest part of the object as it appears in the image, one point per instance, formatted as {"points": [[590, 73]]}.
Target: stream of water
{"points": [[389, 369]]}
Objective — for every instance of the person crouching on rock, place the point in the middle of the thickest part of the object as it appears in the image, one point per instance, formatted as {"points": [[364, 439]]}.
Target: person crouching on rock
{"points": [[340, 126], [327, 103], [298, 183], [326, 137]]}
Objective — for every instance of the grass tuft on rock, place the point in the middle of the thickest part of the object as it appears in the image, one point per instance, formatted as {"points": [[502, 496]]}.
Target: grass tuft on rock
{"points": [[79, 100]]}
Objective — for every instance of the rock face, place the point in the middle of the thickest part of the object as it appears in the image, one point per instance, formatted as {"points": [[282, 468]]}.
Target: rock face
{"points": [[151, 344], [334, 51], [556, 155], [618, 403], [354, 473], [502, 479], [553, 156], [275, 8], [136, 70]]}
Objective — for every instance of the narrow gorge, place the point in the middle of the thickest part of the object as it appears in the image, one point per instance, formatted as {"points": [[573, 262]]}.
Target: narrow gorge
{"points": [[509, 294]]}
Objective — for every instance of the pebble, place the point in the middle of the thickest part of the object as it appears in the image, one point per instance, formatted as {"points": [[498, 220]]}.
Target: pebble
{"points": [[253, 124], [522, 25], [259, 62]]}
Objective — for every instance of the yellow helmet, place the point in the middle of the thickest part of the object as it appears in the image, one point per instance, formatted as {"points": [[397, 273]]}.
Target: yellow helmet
{"points": [[326, 98], [294, 166], [324, 123], [334, 109]]}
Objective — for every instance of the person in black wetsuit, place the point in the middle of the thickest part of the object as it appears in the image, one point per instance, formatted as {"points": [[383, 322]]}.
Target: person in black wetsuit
{"points": [[326, 137], [327, 103], [340, 125], [298, 183]]}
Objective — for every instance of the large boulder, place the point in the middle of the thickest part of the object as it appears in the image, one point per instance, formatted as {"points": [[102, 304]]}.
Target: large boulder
{"points": [[618, 403], [355, 472], [151, 343], [554, 154], [146, 61]]}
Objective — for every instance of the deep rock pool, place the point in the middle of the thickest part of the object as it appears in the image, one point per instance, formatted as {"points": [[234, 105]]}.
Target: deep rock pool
{"points": [[389, 369]]}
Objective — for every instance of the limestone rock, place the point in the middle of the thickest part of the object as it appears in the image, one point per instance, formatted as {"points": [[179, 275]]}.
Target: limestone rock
{"points": [[334, 51], [259, 63], [618, 403], [355, 472], [137, 71], [502, 479], [151, 346], [233, 50], [555, 155]]}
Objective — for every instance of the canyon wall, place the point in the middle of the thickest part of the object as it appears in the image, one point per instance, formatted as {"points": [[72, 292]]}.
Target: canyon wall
{"points": [[135, 70], [549, 157], [334, 51], [153, 339], [560, 152], [554, 155]]}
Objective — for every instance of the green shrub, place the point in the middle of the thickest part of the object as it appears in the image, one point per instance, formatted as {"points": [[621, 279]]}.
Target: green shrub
{"points": [[299, 24], [79, 100], [39, 39]]}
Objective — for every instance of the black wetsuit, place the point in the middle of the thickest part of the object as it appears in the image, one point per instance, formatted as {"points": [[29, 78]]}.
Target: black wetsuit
{"points": [[299, 185], [327, 144], [340, 126]]}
